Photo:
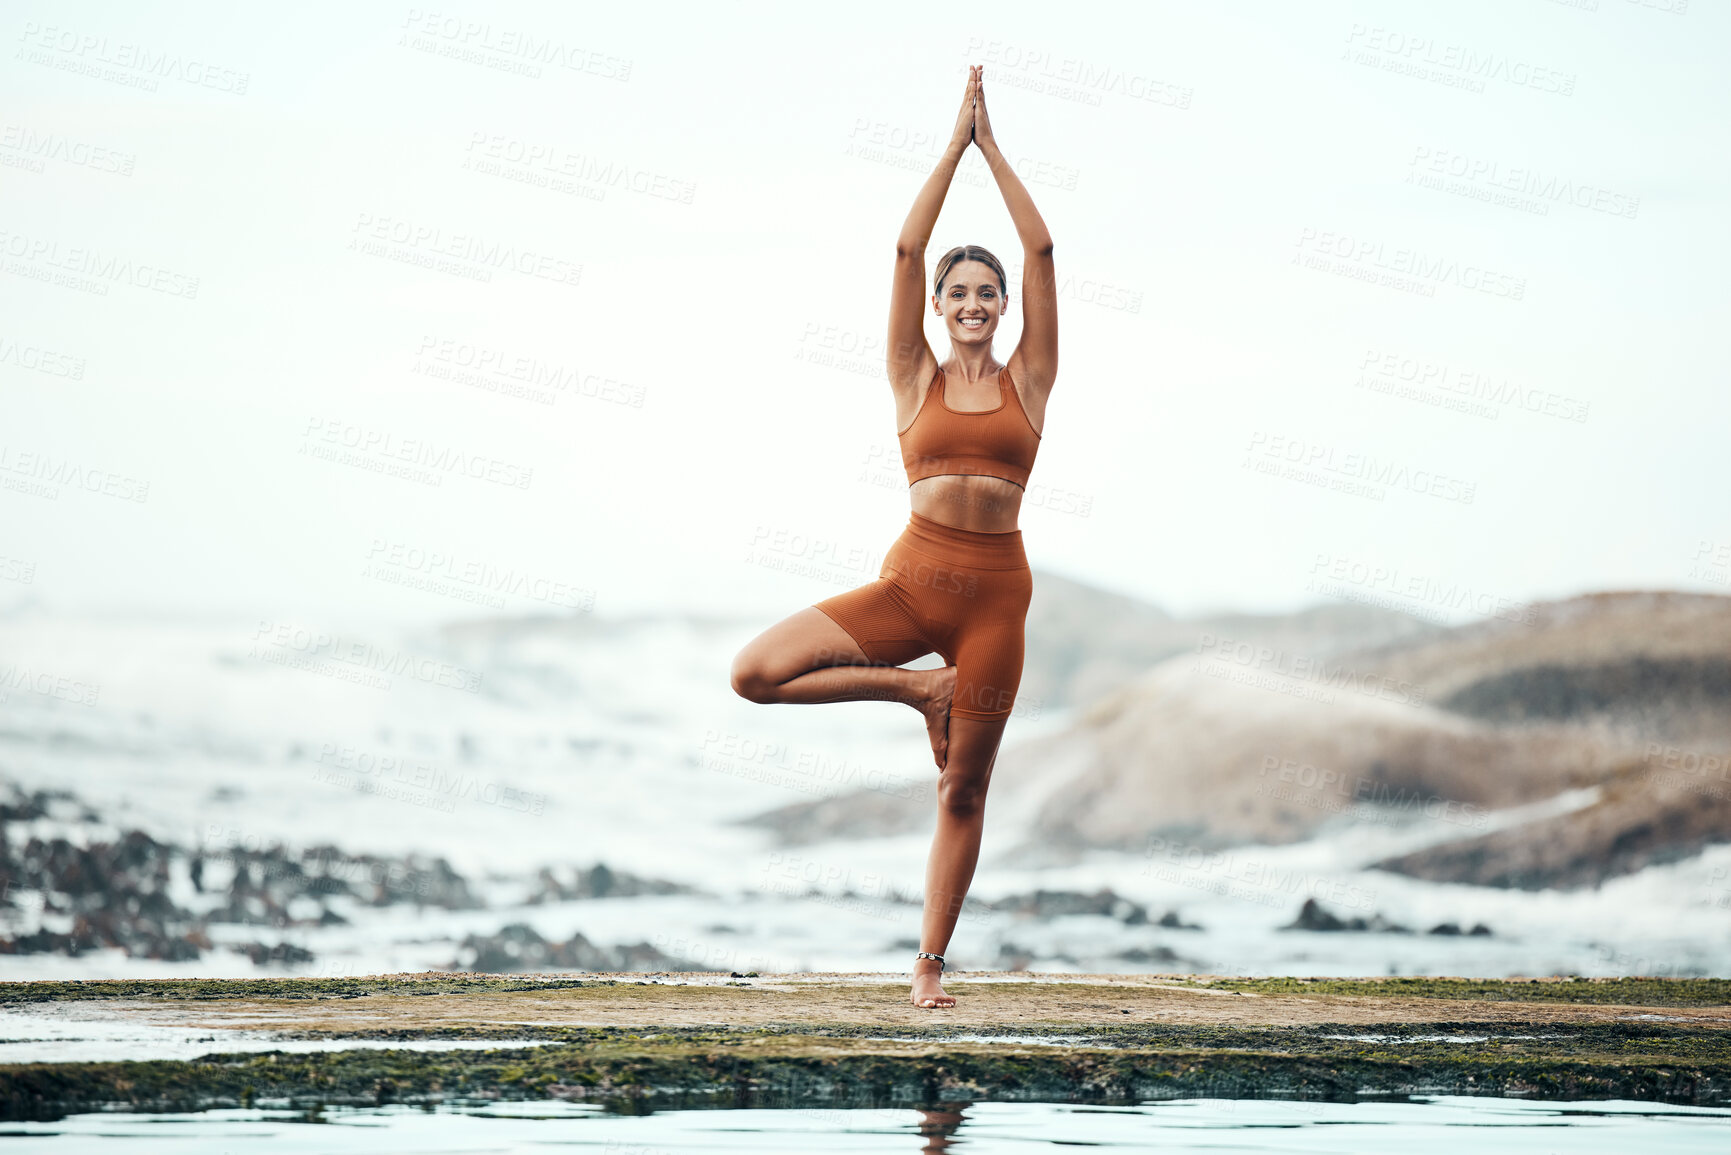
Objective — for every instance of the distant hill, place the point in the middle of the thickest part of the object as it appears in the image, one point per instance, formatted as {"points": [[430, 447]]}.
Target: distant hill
{"points": [[1649, 669], [1083, 642], [1270, 731]]}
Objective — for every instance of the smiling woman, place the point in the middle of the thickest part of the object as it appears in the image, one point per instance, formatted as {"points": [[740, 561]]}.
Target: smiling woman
{"points": [[957, 580]]}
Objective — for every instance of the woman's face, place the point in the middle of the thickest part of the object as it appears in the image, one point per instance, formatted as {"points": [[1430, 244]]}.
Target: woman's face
{"points": [[971, 302]]}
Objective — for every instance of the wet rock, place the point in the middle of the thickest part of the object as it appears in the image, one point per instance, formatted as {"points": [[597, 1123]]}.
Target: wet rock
{"points": [[1147, 954], [1647, 814], [116, 892], [1171, 921], [1045, 904], [599, 881], [265, 883], [520, 947], [106, 931], [1312, 916], [283, 952]]}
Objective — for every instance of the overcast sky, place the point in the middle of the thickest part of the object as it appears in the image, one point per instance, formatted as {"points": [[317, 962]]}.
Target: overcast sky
{"points": [[306, 310]]}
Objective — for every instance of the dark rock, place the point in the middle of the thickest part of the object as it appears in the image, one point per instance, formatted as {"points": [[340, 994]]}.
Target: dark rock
{"points": [[119, 892], [1647, 693], [1479, 928], [282, 952], [1171, 921], [520, 947], [1311, 916], [266, 881], [1147, 954], [116, 892], [599, 881], [1648, 814], [1045, 904]]}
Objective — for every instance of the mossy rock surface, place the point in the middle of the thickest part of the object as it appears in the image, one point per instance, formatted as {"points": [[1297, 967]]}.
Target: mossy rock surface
{"points": [[643, 1042]]}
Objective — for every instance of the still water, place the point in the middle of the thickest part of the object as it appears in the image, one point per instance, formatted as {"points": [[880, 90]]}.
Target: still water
{"points": [[1448, 1125]]}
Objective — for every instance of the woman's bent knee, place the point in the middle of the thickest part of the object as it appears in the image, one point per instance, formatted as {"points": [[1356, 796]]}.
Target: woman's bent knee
{"points": [[749, 680]]}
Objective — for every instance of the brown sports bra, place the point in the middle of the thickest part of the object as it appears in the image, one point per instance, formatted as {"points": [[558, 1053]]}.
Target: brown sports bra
{"points": [[983, 442]]}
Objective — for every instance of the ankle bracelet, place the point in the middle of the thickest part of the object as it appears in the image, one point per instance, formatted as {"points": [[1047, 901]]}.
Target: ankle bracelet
{"points": [[928, 954]]}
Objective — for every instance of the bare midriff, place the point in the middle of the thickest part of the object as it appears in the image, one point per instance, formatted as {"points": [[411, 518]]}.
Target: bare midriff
{"points": [[981, 504]]}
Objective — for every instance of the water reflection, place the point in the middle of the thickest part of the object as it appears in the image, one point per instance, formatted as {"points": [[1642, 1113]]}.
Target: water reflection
{"points": [[938, 1124], [974, 1127]]}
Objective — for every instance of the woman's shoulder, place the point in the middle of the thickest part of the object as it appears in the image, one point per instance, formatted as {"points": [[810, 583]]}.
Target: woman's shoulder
{"points": [[912, 391]]}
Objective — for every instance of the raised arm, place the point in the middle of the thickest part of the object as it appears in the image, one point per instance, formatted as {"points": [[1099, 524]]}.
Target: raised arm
{"points": [[909, 357], [1035, 360]]}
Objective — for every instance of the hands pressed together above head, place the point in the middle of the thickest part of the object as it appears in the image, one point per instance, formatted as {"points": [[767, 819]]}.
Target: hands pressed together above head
{"points": [[973, 126]]}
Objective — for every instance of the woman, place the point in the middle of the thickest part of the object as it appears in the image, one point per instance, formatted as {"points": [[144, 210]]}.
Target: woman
{"points": [[956, 581]]}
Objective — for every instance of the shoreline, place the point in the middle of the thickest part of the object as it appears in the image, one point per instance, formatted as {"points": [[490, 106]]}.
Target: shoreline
{"points": [[662, 1040]]}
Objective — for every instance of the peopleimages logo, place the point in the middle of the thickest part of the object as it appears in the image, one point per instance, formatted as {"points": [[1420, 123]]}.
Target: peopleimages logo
{"points": [[371, 772], [1455, 65], [425, 244], [1235, 875], [1281, 665], [88, 268], [122, 61], [1309, 460], [1071, 77], [1385, 371], [49, 685], [509, 49], [1429, 166], [1403, 265], [43, 473], [299, 647], [538, 162], [385, 445]]}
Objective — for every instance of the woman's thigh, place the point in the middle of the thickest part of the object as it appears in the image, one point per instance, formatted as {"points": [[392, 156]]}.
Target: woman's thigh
{"points": [[984, 636], [810, 639], [988, 657]]}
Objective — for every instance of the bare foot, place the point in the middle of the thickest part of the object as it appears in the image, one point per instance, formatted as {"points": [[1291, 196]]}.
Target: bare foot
{"points": [[940, 687], [928, 989]]}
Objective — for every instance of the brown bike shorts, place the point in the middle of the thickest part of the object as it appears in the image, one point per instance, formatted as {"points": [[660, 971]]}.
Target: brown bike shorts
{"points": [[959, 592]]}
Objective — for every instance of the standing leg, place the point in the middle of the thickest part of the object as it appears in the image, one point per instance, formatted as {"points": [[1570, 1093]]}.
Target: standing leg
{"points": [[988, 643], [955, 846]]}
